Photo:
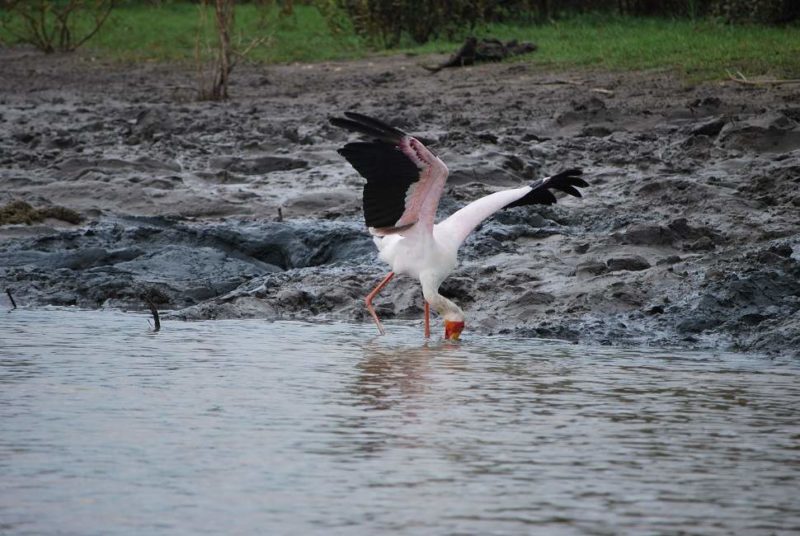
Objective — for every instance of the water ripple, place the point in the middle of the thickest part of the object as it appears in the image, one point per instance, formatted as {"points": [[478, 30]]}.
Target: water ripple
{"points": [[249, 426]]}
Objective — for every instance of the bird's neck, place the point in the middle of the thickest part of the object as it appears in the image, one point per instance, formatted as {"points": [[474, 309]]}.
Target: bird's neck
{"points": [[446, 308]]}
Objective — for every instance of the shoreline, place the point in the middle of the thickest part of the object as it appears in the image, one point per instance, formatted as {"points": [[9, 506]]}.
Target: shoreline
{"points": [[687, 235]]}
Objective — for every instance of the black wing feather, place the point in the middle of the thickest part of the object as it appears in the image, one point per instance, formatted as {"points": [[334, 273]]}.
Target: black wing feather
{"points": [[389, 174], [566, 181], [359, 128], [368, 126], [389, 130]]}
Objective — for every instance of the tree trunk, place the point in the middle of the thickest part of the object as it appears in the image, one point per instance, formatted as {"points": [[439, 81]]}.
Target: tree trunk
{"points": [[224, 10]]}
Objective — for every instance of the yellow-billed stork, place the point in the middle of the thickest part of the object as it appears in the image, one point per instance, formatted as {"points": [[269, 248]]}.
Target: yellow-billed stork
{"points": [[404, 183]]}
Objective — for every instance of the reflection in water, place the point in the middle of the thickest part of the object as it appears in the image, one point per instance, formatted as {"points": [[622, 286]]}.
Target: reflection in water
{"points": [[388, 375], [392, 377], [247, 426]]}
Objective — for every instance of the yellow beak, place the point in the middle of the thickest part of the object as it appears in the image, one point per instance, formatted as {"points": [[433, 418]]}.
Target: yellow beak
{"points": [[452, 330]]}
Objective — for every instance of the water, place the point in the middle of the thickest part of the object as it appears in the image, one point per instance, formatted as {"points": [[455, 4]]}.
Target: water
{"points": [[242, 427]]}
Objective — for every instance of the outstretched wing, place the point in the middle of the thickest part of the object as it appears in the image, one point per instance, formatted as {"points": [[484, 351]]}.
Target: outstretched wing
{"points": [[457, 227], [404, 179], [540, 194]]}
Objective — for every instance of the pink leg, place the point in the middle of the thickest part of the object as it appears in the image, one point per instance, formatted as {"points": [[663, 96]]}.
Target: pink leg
{"points": [[368, 301], [427, 320]]}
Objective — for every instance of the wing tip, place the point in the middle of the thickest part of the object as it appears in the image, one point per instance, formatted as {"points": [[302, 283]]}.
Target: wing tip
{"points": [[566, 181], [368, 126]]}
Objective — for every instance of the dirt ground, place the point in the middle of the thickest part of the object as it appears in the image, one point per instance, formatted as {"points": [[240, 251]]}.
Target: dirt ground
{"points": [[688, 235]]}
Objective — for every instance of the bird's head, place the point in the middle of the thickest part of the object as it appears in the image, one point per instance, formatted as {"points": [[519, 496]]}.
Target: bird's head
{"points": [[453, 325], [452, 330]]}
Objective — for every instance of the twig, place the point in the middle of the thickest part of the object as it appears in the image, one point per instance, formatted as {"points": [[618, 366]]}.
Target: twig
{"points": [[10, 297], [153, 310], [740, 78], [257, 42]]}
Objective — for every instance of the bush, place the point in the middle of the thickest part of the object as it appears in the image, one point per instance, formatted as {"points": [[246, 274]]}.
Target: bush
{"points": [[54, 25], [769, 11], [388, 21]]}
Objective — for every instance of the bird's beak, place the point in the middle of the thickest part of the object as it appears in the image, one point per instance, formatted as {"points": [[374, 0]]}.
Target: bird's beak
{"points": [[452, 330]]}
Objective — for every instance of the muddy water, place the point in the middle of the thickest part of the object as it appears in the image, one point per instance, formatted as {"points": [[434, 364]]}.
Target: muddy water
{"points": [[241, 427]]}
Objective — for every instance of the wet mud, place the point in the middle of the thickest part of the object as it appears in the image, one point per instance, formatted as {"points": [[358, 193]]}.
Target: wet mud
{"points": [[688, 235]]}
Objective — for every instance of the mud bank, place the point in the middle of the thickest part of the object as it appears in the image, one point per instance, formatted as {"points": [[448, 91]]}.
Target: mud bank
{"points": [[688, 234]]}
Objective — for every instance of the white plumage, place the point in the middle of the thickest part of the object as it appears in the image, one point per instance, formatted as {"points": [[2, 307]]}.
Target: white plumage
{"points": [[405, 181]]}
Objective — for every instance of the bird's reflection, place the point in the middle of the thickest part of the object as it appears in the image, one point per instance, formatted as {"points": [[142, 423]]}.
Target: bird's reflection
{"points": [[389, 388], [387, 376]]}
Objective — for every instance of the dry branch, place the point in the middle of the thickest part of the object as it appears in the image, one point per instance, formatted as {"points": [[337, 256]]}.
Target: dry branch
{"points": [[10, 297], [740, 78], [154, 311]]}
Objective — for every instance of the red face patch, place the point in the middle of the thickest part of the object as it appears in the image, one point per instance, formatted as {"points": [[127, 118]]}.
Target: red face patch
{"points": [[452, 330]]}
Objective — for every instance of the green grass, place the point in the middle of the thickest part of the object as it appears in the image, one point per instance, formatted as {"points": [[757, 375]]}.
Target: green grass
{"points": [[172, 31], [697, 49]]}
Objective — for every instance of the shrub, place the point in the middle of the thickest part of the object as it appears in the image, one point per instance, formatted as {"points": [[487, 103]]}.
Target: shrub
{"points": [[53, 25], [388, 21], [770, 11]]}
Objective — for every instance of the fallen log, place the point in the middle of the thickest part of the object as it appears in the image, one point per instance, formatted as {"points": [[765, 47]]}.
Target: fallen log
{"points": [[483, 50]]}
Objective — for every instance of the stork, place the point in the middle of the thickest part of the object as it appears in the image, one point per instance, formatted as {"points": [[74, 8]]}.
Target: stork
{"points": [[405, 181]]}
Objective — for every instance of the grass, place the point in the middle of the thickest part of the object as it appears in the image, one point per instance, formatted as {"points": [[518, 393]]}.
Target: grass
{"points": [[699, 49], [170, 32]]}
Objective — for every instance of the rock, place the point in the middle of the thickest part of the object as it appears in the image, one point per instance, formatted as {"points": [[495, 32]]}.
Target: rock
{"points": [[782, 250], [667, 261], [187, 264], [646, 235], [150, 123], [773, 133], [532, 297], [703, 244], [593, 110], [632, 264], [581, 248], [712, 127], [736, 302], [319, 203], [595, 131], [706, 104], [258, 166], [591, 268], [697, 324]]}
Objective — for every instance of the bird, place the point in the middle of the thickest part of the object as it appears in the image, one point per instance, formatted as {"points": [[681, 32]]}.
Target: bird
{"points": [[404, 183]]}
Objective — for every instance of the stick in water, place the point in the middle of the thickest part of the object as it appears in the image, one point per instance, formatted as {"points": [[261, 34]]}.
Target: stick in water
{"points": [[156, 320], [10, 297]]}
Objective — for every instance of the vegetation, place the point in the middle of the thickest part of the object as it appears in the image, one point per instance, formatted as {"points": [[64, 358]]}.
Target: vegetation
{"points": [[704, 47], [54, 26], [388, 21], [214, 80], [171, 30], [22, 212]]}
